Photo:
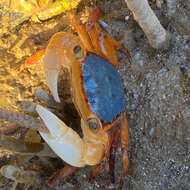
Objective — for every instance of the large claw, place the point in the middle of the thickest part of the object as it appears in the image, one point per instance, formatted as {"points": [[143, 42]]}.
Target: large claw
{"points": [[56, 56], [64, 141], [68, 145], [52, 67]]}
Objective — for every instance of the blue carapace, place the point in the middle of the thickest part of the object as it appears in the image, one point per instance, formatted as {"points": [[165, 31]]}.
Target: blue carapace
{"points": [[103, 88]]}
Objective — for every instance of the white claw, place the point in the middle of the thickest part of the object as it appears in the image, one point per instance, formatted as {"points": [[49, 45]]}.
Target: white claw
{"points": [[64, 141], [52, 67]]}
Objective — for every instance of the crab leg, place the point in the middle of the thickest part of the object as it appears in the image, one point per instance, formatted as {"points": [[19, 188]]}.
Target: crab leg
{"points": [[124, 148], [61, 175], [99, 167], [81, 30], [67, 144], [113, 149]]}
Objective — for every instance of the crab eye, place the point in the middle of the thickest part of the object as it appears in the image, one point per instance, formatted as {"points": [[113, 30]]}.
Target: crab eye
{"points": [[77, 50], [93, 124]]}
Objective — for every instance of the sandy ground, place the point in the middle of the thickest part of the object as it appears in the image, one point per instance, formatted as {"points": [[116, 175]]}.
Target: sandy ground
{"points": [[156, 85]]}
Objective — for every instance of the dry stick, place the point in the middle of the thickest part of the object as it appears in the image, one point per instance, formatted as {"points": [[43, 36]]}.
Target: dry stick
{"points": [[158, 37], [8, 129], [22, 119], [21, 147], [42, 95]]}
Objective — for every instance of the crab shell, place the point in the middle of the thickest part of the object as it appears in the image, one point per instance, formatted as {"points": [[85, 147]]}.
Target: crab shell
{"points": [[95, 83]]}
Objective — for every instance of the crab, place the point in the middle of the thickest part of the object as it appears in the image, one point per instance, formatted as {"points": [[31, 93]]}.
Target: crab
{"points": [[91, 60]]}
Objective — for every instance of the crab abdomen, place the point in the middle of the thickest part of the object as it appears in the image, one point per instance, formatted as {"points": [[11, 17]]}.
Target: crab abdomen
{"points": [[103, 88]]}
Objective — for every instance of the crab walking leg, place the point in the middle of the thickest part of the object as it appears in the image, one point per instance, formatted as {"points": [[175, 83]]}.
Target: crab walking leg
{"points": [[120, 47], [113, 149], [61, 175], [95, 15], [67, 144], [124, 148], [99, 167], [101, 41], [81, 30]]}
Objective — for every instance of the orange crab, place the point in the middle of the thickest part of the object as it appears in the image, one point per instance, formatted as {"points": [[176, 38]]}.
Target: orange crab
{"points": [[98, 96]]}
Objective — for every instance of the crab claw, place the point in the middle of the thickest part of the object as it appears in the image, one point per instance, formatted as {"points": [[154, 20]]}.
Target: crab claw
{"points": [[55, 57], [52, 67], [64, 141], [68, 145]]}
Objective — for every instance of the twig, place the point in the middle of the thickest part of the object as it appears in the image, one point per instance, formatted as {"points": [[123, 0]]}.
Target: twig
{"points": [[47, 98], [18, 146], [158, 37], [28, 106], [7, 129], [22, 119]]}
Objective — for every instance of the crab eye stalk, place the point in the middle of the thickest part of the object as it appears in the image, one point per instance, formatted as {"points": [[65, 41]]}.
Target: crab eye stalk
{"points": [[77, 49], [93, 124], [78, 52]]}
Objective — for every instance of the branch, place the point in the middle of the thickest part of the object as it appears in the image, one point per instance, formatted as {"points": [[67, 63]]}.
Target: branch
{"points": [[157, 36], [21, 147], [22, 119], [42, 95]]}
